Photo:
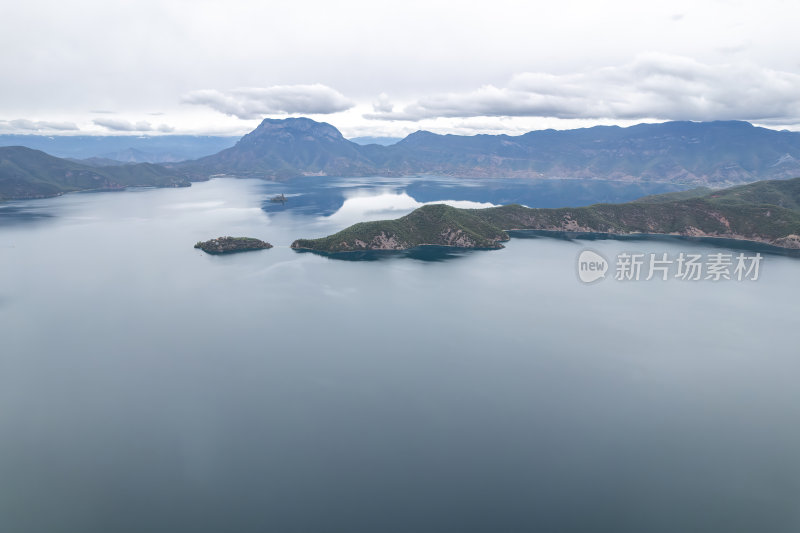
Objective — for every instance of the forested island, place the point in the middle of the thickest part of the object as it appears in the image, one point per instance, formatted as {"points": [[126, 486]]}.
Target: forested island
{"points": [[229, 245]]}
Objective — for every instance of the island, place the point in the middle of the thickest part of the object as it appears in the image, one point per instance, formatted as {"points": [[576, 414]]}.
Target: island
{"points": [[229, 245], [766, 212]]}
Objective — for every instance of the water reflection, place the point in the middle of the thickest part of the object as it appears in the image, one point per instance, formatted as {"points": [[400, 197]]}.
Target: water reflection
{"points": [[382, 204], [700, 242], [324, 196], [147, 386], [22, 213], [343, 197]]}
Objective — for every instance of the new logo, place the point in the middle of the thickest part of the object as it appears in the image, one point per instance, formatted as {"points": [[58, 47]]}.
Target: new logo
{"points": [[591, 266]]}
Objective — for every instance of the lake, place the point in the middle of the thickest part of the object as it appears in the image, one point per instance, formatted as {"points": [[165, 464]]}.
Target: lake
{"points": [[146, 386]]}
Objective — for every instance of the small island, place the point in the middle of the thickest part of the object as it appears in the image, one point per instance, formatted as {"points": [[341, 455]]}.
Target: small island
{"points": [[230, 245], [279, 199]]}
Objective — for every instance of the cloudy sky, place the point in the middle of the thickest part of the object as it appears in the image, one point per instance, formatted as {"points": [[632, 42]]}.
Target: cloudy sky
{"points": [[391, 68]]}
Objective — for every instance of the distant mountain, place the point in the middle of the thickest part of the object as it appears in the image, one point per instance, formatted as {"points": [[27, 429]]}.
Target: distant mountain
{"points": [[383, 141], [124, 148], [700, 153], [766, 212], [96, 161], [287, 148], [27, 173], [133, 155], [715, 153]]}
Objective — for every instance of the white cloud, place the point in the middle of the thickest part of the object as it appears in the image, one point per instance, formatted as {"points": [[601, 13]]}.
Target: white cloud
{"points": [[254, 102], [41, 125], [382, 104], [422, 48], [122, 125], [653, 86], [115, 124]]}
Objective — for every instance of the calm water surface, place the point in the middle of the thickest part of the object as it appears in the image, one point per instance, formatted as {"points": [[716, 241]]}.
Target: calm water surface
{"points": [[146, 386]]}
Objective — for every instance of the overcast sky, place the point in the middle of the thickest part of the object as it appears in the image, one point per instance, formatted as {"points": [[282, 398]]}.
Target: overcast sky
{"points": [[391, 68]]}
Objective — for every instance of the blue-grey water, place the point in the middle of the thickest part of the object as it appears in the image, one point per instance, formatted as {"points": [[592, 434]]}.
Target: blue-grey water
{"points": [[148, 387]]}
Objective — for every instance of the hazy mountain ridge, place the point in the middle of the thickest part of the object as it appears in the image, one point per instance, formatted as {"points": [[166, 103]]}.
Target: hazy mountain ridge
{"points": [[383, 141], [27, 173], [123, 148], [700, 153]]}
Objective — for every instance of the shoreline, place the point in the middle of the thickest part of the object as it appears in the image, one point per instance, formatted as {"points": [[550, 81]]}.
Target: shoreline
{"points": [[651, 236], [683, 186]]}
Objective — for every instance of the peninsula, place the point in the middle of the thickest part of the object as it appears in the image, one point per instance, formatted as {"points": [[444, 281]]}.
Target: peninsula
{"points": [[229, 245], [435, 224], [766, 212]]}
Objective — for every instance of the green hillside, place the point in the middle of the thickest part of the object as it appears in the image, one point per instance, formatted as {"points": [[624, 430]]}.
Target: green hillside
{"points": [[437, 224], [767, 212], [27, 173]]}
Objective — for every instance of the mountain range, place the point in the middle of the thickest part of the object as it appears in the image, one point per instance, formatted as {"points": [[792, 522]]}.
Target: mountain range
{"points": [[713, 154], [696, 153]]}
